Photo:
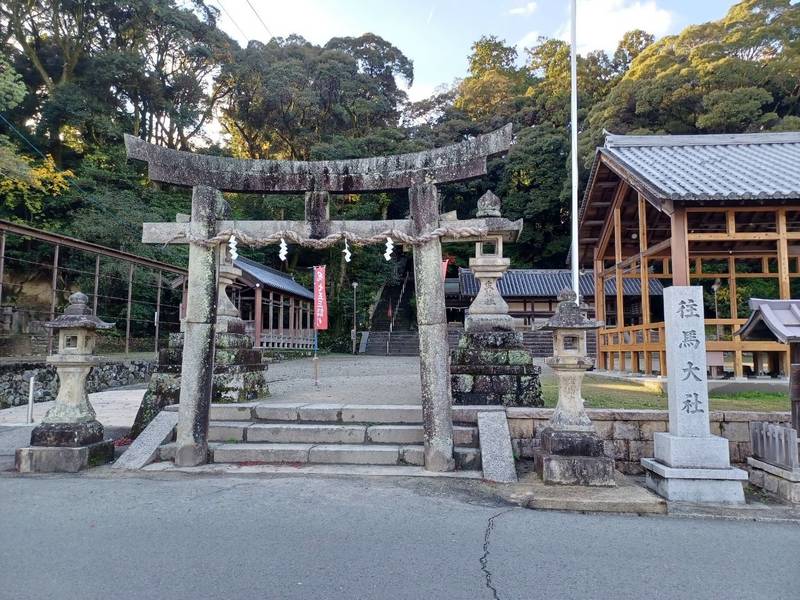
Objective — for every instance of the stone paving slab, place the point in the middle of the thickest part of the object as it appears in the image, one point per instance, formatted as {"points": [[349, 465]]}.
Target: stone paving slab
{"points": [[144, 448], [11, 438], [320, 412], [382, 413], [497, 457], [232, 412], [306, 433], [626, 497], [226, 431], [277, 453], [316, 469], [358, 454]]}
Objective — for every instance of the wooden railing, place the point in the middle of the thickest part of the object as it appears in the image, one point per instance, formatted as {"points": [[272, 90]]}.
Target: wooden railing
{"points": [[641, 348], [297, 339]]}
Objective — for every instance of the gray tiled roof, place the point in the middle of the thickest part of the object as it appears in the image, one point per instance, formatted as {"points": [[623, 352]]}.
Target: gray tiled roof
{"points": [[271, 278], [772, 320], [711, 167], [547, 283]]}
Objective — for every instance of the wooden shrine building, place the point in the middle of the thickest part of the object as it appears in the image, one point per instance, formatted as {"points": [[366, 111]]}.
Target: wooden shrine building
{"points": [[277, 310], [532, 294], [720, 211]]}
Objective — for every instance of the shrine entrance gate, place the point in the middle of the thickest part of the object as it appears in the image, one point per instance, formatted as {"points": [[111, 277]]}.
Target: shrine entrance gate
{"points": [[426, 229]]}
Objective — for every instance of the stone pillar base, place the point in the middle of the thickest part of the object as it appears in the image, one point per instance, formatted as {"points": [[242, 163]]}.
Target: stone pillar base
{"points": [[191, 455], [55, 459], [70, 435], [573, 458], [720, 486], [494, 368], [785, 484]]}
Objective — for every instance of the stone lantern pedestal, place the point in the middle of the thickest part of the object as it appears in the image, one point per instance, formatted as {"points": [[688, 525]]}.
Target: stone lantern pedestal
{"points": [[491, 366], [69, 437], [570, 452], [239, 368]]}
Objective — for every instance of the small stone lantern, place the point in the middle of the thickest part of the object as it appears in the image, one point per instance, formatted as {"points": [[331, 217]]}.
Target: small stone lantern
{"points": [[571, 452], [70, 436], [488, 311]]}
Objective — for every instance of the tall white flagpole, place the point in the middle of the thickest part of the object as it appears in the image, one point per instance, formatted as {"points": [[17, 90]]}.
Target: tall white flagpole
{"points": [[574, 131]]}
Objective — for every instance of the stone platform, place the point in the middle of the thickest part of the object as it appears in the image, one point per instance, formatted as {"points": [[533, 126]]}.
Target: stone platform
{"points": [[239, 375], [494, 368], [783, 483], [573, 458]]}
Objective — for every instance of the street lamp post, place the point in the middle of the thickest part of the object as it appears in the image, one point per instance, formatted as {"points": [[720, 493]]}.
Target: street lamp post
{"points": [[355, 316]]}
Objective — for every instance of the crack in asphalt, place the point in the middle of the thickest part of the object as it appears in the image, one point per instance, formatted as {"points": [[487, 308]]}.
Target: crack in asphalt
{"points": [[484, 560]]}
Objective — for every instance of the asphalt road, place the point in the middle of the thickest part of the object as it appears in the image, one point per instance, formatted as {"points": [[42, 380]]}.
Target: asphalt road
{"points": [[297, 537]]}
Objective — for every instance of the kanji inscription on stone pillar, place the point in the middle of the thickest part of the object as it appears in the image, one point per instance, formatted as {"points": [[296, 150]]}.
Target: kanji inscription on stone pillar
{"points": [[687, 383]]}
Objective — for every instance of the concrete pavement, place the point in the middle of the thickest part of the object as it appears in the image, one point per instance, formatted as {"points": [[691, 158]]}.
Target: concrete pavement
{"points": [[157, 536]]}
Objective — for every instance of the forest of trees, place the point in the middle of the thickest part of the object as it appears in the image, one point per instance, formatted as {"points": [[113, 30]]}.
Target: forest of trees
{"points": [[76, 75]]}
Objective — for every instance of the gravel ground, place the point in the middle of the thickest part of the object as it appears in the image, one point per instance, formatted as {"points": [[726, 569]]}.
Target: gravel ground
{"points": [[346, 378]]}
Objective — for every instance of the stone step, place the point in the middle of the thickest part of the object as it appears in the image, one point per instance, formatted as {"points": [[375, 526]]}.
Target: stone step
{"points": [[467, 459], [318, 412], [350, 454], [330, 433]]}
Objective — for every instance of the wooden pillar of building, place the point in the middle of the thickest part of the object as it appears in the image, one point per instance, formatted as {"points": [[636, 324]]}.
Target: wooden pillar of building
{"points": [[53, 283], [644, 284], [292, 327], [257, 314], [128, 311], [680, 247], [157, 316], [619, 284], [738, 370], [280, 320], [2, 263], [599, 309]]}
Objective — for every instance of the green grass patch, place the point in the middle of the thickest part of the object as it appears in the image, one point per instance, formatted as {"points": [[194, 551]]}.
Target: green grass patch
{"points": [[603, 392]]}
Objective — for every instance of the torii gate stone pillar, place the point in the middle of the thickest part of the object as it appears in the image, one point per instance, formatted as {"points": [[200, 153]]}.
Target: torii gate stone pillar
{"points": [[434, 350], [197, 367], [425, 231]]}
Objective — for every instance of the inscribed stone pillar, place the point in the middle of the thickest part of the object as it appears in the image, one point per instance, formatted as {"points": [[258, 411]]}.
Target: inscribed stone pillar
{"points": [[198, 349], [431, 318], [689, 463]]}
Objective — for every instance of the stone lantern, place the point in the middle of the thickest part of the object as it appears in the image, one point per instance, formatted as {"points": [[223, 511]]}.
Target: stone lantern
{"points": [[70, 436], [491, 366], [571, 452]]}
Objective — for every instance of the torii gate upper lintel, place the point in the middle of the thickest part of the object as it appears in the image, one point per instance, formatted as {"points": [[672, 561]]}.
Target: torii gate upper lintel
{"points": [[426, 229]]}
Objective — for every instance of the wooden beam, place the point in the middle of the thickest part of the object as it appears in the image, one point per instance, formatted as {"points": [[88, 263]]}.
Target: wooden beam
{"points": [[605, 232]]}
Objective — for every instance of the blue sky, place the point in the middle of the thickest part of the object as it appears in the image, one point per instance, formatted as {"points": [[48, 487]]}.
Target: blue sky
{"points": [[437, 34]]}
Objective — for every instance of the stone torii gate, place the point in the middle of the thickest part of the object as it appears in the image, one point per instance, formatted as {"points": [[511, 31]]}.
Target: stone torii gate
{"points": [[418, 172]]}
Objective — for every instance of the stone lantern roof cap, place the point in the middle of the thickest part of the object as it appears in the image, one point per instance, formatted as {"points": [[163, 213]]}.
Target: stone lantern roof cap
{"points": [[569, 315], [77, 315]]}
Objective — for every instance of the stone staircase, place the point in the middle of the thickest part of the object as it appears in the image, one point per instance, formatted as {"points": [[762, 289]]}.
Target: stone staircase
{"points": [[302, 433], [401, 343]]}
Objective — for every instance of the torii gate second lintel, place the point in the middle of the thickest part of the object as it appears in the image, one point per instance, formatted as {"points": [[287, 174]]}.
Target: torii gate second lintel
{"points": [[418, 172]]}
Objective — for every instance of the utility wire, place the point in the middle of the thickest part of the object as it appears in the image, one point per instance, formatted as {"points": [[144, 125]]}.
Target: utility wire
{"points": [[260, 20], [232, 20]]}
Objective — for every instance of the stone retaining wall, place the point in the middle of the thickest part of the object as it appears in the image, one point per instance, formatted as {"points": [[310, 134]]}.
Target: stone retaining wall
{"points": [[628, 434], [14, 378]]}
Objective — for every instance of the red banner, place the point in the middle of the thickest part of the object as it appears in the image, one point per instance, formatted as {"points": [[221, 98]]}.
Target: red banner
{"points": [[320, 300]]}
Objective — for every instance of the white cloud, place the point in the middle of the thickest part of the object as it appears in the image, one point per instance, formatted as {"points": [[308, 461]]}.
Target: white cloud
{"points": [[419, 90], [528, 41], [601, 23], [524, 11]]}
